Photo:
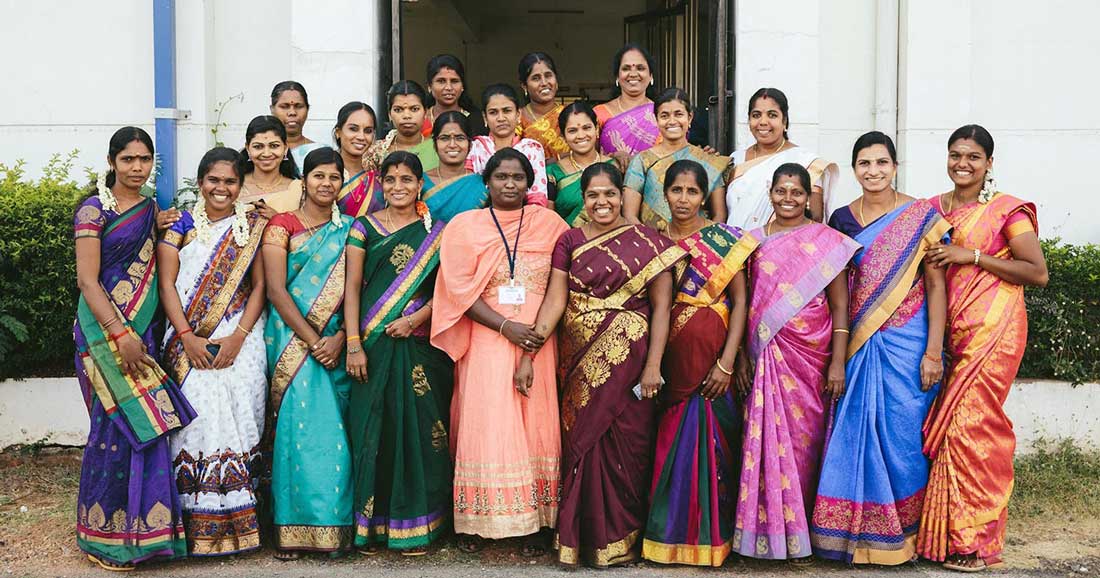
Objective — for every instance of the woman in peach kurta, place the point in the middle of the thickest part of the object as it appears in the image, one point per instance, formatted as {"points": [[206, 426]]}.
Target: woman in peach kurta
{"points": [[505, 439]]}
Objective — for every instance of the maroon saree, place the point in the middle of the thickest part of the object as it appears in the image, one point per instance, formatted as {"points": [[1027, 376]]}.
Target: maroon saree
{"points": [[607, 433]]}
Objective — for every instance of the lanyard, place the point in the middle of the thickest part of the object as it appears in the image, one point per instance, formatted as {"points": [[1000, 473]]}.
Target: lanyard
{"points": [[512, 254]]}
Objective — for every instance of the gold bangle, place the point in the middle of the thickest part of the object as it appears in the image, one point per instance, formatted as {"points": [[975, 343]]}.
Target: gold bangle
{"points": [[111, 322], [410, 322], [502, 323], [841, 330], [718, 362], [931, 357], [352, 339], [246, 332]]}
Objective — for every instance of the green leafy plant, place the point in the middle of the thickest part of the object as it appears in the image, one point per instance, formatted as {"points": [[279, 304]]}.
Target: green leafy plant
{"points": [[1063, 339], [12, 333], [37, 267]]}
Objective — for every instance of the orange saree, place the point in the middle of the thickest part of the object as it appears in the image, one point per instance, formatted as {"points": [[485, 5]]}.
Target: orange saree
{"points": [[967, 434]]}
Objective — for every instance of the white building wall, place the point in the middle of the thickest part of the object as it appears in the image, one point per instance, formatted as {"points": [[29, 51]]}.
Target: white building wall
{"points": [[1023, 70], [79, 70], [74, 73]]}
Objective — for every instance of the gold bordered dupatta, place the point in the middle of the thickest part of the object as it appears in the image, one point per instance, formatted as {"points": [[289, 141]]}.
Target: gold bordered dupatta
{"points": [[888, 266], [226, 271]]}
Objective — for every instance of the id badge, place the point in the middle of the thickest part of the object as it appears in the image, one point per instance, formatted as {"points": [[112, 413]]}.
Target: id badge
{"points": [[513, 294]]}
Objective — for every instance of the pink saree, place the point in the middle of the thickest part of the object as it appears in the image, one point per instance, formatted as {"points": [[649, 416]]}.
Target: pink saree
{"points": [[789, 333]]}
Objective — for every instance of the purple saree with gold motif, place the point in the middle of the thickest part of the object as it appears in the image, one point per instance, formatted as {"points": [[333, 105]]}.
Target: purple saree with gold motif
{"points": [[127, 508]]}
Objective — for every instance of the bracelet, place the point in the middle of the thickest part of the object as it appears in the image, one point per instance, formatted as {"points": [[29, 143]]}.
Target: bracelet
{"points": [[977, 255], [246, 332], [841, 330], [352, 339], [356, 350], [180, 334], [111, 322], [115, 336], [935, 358], [718, 362], [501, 330], [410, 322]]}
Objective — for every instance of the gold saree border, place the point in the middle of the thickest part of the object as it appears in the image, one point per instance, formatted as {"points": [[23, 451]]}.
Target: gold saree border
{"points": [[689, 554], [314, 538], [617, 552], [292, 357]]}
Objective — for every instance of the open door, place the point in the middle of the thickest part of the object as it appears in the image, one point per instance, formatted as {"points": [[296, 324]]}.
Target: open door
{"points": [[691, 41]]}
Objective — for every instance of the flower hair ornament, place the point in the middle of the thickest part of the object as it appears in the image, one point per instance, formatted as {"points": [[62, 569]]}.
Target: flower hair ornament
{"points": [[203, 224], [103, 192], [424, 214], [336, 217], [989, 188]]}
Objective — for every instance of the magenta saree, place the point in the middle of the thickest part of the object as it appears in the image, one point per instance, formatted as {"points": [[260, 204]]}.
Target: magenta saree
{"points": [[789, 334], [607, 432], [631, 131]]}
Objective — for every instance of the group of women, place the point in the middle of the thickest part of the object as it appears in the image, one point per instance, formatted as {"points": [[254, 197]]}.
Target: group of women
{"points": [[638, 349]]}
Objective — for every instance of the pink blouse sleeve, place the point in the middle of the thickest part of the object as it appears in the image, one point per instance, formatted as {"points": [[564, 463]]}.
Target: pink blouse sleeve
{"points": [[536, 193]]}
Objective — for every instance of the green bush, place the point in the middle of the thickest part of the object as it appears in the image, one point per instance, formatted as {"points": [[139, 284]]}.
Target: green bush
{"points": [[1063, 339], [37, 266]]}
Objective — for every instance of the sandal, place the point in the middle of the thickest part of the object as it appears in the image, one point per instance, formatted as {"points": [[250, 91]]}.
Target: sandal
{"points": [[413, 552], [805, 562], [111, 566], [532, 549], [287, 555], [370, 550], [470, 544], [971, 563]]}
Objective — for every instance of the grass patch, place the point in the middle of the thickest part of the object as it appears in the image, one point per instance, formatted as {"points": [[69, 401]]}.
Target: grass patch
{"points": [[1058, 479]]}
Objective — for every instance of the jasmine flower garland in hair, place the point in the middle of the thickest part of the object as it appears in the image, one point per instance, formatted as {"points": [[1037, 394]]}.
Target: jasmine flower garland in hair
{"points": [[989, 188], [106, 196]]}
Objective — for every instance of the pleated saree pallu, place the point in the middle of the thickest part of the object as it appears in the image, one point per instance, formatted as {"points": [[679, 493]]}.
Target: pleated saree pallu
{"points": [[398, 419], [790, 335], [311, 463]]}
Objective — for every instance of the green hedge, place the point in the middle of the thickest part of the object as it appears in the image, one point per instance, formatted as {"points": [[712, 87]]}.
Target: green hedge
{"points": [[38, 286], [1063, 340], [37, 267]]}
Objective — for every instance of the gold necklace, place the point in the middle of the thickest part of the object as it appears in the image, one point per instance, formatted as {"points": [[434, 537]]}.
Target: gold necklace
{"points": [[269, 187], [862, 220], [782, 143], [577, 167]]}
